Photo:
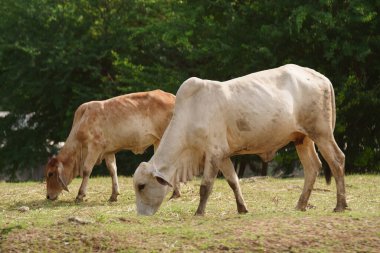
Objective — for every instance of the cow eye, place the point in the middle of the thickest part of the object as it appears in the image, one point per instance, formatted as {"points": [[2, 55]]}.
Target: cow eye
{"points": [[50, 174], [141, 187]]}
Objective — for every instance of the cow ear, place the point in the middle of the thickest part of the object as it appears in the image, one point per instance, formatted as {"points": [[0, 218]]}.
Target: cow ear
{"points": [[64, 186], [60, 169], [161, 178], [53, 161]]}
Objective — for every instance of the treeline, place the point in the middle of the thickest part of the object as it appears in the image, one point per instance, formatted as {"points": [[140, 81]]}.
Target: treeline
{"points": [[55, 55]]}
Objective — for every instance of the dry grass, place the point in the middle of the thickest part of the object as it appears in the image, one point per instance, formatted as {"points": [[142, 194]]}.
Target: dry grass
{"points": [[272, 225]]}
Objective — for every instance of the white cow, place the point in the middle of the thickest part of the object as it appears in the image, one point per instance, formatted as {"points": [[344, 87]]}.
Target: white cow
{"points": [[254, 114]]}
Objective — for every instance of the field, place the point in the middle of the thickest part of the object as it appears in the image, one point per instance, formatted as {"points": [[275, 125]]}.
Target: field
{"points": [[272, 224]]}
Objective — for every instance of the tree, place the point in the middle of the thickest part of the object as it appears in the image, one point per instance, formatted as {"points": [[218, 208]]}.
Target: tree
{"points": [[55, 55]]}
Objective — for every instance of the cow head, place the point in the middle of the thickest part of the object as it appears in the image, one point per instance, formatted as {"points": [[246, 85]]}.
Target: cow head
{"points": [[54, 182], [150, 187]]}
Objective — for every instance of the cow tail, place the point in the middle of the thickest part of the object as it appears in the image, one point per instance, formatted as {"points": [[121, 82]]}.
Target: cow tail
{"points": [[333, 109], [326, 168]]}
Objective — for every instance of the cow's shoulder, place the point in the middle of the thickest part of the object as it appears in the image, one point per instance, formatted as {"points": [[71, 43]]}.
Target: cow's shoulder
{"points": [[86, 117], [81, 112], [189, 88]]}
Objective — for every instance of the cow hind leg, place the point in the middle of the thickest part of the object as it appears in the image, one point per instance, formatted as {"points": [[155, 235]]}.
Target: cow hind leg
{"points": [[209, 175], [311, 164], [335, 159], [229, 173], [111, 165]]}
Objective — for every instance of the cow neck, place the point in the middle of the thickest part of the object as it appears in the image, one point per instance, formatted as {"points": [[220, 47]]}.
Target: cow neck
{"points": [[164, 167], [68, 157], [167, 154]]}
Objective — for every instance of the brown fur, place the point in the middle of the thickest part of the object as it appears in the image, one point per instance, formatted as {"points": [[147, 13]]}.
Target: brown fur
{"points": [[102, 128]]}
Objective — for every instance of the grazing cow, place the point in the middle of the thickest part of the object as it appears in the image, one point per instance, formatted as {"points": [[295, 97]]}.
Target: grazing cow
{"points": [[100, 129], [254, 114]]}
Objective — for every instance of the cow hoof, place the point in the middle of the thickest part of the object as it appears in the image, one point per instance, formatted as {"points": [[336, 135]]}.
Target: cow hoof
{"points": [[338, 209], [78, 200], [242, 210], [199, 214], [175, 195], [341, 209], [302, 209], [113, 199]]}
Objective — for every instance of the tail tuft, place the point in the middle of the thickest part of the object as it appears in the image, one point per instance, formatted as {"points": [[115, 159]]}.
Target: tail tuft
{"points": [[326, 167]]}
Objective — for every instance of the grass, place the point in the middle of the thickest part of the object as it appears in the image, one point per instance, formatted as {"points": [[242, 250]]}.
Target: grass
{"points": [[272, 224]]}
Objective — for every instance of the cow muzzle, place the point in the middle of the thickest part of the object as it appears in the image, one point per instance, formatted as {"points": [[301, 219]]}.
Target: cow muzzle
{"points": [[50, 198], [147, 210]]}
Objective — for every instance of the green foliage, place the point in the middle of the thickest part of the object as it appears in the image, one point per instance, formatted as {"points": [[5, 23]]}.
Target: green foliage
{"points": [[55, 55]]}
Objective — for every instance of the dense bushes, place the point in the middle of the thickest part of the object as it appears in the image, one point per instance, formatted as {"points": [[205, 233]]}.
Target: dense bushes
{"points": [[55, 55]]}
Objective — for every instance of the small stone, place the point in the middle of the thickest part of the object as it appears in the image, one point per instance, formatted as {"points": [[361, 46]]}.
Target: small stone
{"points": [[79, 220], [23, 209]]}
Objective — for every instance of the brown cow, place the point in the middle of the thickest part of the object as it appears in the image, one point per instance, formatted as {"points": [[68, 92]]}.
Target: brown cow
{"points": [[102, 128]]}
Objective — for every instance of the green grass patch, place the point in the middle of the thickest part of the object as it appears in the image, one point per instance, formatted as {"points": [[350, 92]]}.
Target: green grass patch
{"points": [[272, 224]]}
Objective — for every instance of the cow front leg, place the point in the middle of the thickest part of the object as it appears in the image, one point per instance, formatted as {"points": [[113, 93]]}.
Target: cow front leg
{"points": [[111, 165], [207, 183], [83, 187], [229, 173], [87, 169], [176, 191]]}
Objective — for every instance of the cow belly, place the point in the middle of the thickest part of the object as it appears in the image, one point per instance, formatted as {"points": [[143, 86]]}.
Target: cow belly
{"points": [[259, 147], [135, 142], [263, 143]]}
